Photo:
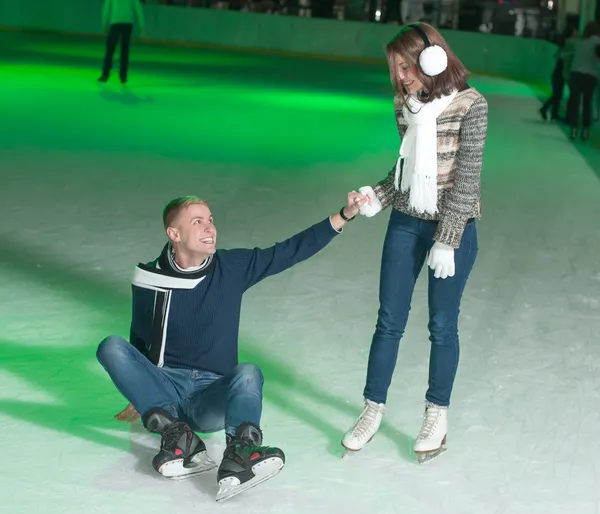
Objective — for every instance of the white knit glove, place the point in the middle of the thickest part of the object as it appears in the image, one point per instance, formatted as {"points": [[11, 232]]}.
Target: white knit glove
{"points": [[373, 206], [441, 260]]}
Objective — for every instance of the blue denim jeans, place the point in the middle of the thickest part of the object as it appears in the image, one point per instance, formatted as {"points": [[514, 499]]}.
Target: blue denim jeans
{"points": [[207, 401], [407, 242]]}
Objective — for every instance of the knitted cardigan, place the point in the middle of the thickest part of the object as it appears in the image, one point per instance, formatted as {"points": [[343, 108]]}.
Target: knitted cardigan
{"points": [[461, 134]]}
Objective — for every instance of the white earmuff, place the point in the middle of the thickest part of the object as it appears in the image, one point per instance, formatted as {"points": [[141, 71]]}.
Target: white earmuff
{"points": [[433, 60]]}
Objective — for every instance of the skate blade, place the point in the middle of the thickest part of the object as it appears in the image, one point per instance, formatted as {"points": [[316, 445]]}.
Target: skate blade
{"points": [[177, 470], [427, 456], [230, 486], [349, 451]]}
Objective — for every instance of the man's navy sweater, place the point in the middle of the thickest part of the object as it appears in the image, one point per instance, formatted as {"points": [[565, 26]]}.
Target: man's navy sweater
{"points": [[201, 325]]}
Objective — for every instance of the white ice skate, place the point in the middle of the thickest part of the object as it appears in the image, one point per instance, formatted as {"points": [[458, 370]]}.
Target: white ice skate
{"points": [[431, 440], [364, 428]]}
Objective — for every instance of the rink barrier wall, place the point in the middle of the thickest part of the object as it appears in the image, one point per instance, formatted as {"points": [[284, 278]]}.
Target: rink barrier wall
{"points": [[529, 60]]}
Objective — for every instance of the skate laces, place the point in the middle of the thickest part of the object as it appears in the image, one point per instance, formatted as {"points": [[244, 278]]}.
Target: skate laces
{"points": [[173, 434], [367, 419], [242, 447], [250, 447], [430, 420]]}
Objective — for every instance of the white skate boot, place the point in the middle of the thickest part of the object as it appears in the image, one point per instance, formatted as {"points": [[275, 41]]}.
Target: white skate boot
{"points": [[431, 440], [365, 427]]}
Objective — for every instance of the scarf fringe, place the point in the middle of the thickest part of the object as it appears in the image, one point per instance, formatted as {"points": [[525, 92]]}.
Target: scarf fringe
{"points": [[424, 193]]}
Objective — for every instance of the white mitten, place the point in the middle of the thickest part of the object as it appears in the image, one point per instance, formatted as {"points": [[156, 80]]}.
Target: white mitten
{"points": [[441, 260], [374, 205]]}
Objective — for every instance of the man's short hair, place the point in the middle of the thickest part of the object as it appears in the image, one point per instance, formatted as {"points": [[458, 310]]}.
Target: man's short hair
{"points": [[174, 207]]}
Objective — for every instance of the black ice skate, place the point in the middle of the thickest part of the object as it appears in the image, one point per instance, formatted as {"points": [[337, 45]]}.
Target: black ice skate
{"points": [[182, 453], [246, 463], [156, 420]]}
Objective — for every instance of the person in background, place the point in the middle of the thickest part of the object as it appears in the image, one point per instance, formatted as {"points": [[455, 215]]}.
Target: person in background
{"points": [[562, 71], [584, 76], [118, 19]]}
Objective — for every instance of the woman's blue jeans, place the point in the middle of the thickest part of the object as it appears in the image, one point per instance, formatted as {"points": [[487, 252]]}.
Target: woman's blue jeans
{"points": [[407, 243]]}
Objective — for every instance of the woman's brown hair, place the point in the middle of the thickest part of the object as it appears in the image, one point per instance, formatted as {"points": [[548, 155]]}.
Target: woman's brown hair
{"points": [[409, 44]]}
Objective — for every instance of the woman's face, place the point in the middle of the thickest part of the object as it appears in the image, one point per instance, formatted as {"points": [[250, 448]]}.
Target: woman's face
{"points": [[407, 75]]}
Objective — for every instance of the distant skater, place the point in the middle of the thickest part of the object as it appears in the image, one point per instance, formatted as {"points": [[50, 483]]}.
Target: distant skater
{"points": [[584, 77], [118, 19], [562, 71]]}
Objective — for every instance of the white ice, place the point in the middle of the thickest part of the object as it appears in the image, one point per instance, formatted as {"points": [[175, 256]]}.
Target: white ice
{"points": [[77, 217]]}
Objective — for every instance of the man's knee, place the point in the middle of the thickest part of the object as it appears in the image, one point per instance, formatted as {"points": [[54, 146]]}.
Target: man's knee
{"points": [[250, 375], [113, 347]]}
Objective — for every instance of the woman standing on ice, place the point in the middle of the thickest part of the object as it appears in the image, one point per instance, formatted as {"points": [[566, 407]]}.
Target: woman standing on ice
{"points": [[434, 189]]}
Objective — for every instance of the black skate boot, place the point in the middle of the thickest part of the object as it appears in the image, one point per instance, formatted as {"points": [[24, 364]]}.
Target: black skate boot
{"points": [[182, 453], [246, 463], [156, 420]]}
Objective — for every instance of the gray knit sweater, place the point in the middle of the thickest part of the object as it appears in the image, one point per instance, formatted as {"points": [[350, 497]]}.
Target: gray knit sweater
{"points": [[461, 134]]}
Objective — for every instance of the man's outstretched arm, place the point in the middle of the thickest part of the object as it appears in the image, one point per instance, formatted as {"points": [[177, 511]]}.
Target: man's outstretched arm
{"points": [[258, 264]]}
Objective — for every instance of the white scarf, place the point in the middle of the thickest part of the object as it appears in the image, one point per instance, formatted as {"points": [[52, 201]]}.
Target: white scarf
{"points": [[419, 152]]}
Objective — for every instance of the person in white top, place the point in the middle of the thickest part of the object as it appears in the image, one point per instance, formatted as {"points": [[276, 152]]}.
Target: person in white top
{"points": [[584, 76], [118, 18]]}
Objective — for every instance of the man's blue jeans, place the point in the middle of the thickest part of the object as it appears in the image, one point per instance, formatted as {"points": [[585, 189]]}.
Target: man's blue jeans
{"points": [[207, 401], [407, 242]]}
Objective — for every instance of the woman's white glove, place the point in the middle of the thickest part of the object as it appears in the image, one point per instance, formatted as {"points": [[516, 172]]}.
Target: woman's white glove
{"points": [[373, 206], [441, 260]]}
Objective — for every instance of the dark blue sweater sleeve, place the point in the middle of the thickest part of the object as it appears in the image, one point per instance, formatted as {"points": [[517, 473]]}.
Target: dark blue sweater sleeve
{"points": [[258, 264]]}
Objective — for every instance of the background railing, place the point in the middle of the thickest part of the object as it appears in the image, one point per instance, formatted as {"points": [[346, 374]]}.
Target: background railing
{"points": [[521, 18], [521, 58]]}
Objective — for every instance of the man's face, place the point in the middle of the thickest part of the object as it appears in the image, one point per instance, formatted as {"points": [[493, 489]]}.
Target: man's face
{"points": [[193, 231]]}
